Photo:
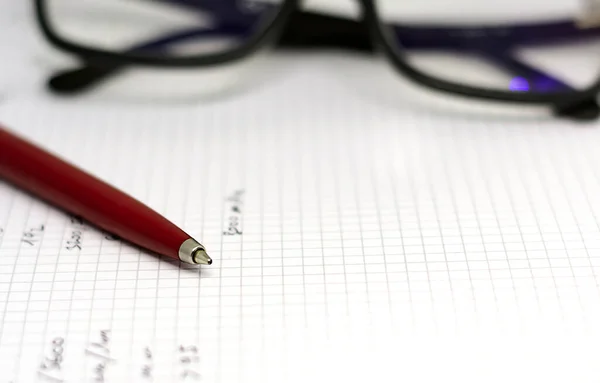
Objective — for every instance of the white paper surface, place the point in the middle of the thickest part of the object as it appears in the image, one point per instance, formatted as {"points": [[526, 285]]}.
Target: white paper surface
{"points": [[383, 239]]}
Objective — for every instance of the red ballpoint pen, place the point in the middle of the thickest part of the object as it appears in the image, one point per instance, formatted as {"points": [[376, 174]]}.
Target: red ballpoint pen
{"points": [[71, 189]]}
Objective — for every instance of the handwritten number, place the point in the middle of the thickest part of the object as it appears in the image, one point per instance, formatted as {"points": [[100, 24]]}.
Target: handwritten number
{"points": [[188, 360], [146, 371], [31, 236], [232, 231], [234, 206], [51, 367], [75, 241], [147, 368], [193, 349]]}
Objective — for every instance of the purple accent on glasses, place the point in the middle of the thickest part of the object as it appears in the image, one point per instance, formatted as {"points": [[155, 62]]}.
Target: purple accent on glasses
{"points": [[518, 84], [539, 81], [496, 44], [493, 43]]}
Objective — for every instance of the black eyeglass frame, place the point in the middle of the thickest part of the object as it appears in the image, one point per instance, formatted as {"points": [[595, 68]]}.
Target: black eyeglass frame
{"points": [[562, 100]]}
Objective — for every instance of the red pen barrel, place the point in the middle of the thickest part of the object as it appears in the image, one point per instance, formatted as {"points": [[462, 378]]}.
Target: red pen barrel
{"points": [[71, 189]]}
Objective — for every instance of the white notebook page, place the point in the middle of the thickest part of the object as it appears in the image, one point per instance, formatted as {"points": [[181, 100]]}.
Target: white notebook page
{"points": [[378, 243]]}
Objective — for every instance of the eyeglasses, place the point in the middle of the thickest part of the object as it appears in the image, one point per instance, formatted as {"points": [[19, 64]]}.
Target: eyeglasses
{"points": [[551, 63]]}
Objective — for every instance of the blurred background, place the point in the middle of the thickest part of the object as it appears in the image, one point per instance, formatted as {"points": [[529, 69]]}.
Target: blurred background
{"points": [[560, 55]]}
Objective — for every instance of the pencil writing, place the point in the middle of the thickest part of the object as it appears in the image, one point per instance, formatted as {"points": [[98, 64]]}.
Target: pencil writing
{"points": [[51, 367], [148, 366], [74, 241], [189, 360], [234, 211], [100, 350], [33, 236]]}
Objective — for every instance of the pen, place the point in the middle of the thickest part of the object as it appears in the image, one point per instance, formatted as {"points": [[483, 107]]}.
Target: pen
{"points": [[71, 189]]}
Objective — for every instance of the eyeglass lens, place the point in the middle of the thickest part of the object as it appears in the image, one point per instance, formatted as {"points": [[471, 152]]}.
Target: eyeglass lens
{"points": [[518, 46], [166, 28]]}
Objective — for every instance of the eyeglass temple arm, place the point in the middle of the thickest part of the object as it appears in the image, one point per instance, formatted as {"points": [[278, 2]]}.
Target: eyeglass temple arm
{"points": [[92, 72], [303, 30], [312, 30], [582, 109]]}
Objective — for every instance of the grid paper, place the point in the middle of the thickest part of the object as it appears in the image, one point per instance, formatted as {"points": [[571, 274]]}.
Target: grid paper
{"points": [[379, 243]]}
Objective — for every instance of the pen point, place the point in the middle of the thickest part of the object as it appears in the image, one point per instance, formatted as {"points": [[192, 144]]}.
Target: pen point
{"points": [[191, 251], [200, 257]]}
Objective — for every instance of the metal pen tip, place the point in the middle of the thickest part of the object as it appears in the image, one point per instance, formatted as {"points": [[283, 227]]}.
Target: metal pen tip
{"points": [[192, 252], [201, 258]]}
